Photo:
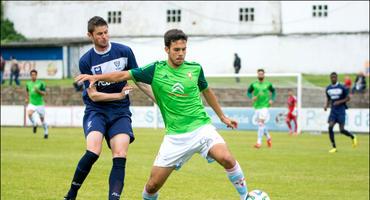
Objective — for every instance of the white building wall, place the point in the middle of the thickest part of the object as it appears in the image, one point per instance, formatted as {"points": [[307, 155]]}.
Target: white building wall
{"points": [[343, 16], [303, 54]]}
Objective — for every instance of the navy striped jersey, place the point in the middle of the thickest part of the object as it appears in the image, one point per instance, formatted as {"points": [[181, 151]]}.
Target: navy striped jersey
{"points": [[334, 93], [117, 57]]}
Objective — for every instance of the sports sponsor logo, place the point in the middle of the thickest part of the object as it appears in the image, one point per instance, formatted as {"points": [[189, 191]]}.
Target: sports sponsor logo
{"points": [[97, 70], [178, 90]]}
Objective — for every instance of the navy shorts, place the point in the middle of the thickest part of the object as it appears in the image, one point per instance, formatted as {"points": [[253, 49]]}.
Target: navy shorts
{"points": [[108, 125], [339, 118]]}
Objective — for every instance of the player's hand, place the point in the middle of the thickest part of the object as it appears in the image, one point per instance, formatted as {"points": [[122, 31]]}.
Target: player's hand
{"points": [[336, 103], [86, 77], [26, 100], [254, 98], [325, 108], [126, 90], [230, 123], [271, 102]]}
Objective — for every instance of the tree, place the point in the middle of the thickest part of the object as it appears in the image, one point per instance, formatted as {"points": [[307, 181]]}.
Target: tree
{"points": [[7, 32]]}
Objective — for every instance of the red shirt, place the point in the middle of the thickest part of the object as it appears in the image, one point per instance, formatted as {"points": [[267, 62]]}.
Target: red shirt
{"points": [[292, 101], [347, 83]]}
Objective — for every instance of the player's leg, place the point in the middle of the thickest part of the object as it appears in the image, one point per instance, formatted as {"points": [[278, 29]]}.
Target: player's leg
{"points": [[223, 156], [287, 121], [295, 125], [265, 115], [121, 135], [348, 134], [94, 127], [158, 177], [260, 128], [331, 135], [119, 145], [41, 111], [30, 110]]}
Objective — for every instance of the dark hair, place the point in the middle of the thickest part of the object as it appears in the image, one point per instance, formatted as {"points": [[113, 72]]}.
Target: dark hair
{"points": [[94, 22], [260, 70], [334, 73], [33, 71], [174, 35]]}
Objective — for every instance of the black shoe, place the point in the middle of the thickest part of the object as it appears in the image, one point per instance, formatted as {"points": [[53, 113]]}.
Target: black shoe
{"points": [[34, 130], [46, 136], [69, 198]]}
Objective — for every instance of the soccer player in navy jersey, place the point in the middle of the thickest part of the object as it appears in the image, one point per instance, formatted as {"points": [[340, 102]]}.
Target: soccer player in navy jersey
{"points": [[107, 113], [337, 98]]}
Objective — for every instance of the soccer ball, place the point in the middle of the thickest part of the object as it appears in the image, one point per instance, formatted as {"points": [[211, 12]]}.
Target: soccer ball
{"points": [[257, 195]]}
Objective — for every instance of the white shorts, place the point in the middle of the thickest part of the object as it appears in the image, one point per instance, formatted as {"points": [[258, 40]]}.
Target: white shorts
{"points": [[39, 109], [261, 114], [175, 150]]}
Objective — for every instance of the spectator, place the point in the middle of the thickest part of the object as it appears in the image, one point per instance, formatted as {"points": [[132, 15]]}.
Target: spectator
{"points": [[237, 66], [14, 71], [360, 83], [2, 67], [347, 82]]}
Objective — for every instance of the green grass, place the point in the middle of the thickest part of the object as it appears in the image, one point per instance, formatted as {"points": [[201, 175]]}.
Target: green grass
{"points": [[296, 168], [309, 80]]}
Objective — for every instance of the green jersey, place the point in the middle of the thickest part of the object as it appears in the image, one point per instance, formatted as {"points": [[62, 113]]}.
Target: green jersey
{"points": [[34, 97], [261, 90], [177, 92]]}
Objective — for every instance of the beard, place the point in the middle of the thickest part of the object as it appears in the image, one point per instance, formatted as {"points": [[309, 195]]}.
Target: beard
{"points": [[261, 78]]}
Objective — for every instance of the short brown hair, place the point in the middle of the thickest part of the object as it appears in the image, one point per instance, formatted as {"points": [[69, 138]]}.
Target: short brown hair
{"points": [[33, 71], [260, 70], [94, 22], [173, 35]]}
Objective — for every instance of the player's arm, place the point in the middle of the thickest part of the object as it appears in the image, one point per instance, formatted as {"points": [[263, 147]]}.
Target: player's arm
{"points": [[147, 90], [327, 101], [101, 96], [250, 91], [344, 100], [108, 77], [212, 101], [273, 94], [27, 99], [42, 90]]}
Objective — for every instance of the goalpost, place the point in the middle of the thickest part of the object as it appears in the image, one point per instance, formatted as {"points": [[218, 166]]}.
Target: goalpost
{"points": [[298, 85]]}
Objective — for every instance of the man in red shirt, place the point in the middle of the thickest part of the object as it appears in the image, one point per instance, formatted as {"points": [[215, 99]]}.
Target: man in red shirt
{"points": [[292, 112]]}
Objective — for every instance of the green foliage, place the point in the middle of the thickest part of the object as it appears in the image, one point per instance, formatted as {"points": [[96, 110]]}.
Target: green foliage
{"points": [[296, 168], [8, 33]]}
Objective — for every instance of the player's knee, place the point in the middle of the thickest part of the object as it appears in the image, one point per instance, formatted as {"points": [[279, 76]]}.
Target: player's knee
{"points": [[152, 187], [119, 154], [228, 161]]}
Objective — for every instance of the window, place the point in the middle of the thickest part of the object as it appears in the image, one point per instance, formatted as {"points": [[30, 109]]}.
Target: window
{"points": [[114, 17], [319, 10], [246, 14], [173, 16]]}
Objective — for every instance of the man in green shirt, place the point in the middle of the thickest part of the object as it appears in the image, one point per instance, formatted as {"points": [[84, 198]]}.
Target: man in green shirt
{"points": [[36, 90], [177, 85], [259, 91]]}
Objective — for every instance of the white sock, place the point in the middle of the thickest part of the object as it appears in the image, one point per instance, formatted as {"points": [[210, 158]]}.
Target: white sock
{"points": [[147, 196], [236, 177], [32, 120], [260, 134], [46, 130]]}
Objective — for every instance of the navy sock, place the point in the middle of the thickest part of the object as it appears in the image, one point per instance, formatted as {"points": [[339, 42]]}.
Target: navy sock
{"points": [[347, 133], [331, 136], [82, 170], [116, 178]]}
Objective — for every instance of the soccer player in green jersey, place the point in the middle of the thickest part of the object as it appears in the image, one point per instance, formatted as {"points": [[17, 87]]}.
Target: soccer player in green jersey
{"points": [[177, 85], [259, 91], [36, 90]]}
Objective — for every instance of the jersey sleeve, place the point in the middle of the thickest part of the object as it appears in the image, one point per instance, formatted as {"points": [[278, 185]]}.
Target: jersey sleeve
{"points": [[143, 74], [250, 91], [132, 64], [43, 86], [85, 69], [273, 92], [202, 82]]}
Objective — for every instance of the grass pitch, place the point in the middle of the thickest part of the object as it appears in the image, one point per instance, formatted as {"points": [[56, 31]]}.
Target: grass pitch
{"points": [[296, 168]]}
